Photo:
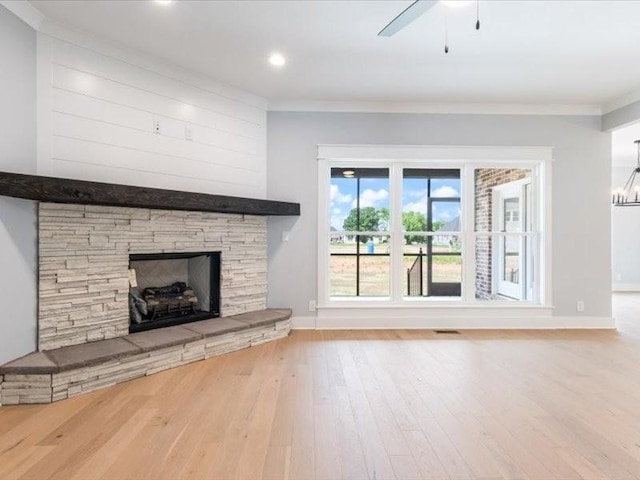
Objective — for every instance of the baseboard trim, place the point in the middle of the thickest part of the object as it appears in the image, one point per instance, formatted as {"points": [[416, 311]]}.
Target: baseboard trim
{"points": [[303, 323], [458, 323], [626, 287]]}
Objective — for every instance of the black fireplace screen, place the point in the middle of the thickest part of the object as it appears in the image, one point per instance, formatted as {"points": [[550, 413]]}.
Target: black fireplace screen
{"points": [[173, 288]]}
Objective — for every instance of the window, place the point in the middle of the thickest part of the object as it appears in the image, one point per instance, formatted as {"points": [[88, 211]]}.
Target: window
{"points": [[453, 231], [359, 233], [431, 232], [505, 234]]}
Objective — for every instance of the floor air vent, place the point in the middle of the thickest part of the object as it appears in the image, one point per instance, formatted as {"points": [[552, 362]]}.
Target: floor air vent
{"points": [[447, 332]]}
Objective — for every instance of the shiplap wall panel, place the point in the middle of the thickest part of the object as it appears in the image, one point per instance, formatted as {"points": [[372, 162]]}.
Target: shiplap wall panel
{"points": [[77, 81], [94, 109], [110, 68], [81, 128], [125, 176], [82, 151], [102, 112]]}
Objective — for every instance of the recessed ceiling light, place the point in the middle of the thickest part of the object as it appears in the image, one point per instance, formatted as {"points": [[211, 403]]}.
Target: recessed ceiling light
{"points": [[277, 59], [456, 3], [163, 2]]}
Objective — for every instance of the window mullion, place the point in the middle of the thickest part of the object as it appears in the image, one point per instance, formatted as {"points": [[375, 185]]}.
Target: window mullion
{"points": [[467, 225], [358, 237], [536, 264], [395, 227]]}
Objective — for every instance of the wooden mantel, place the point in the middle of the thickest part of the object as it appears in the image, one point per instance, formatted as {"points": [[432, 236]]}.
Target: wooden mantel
{"points": [[61, 190]]}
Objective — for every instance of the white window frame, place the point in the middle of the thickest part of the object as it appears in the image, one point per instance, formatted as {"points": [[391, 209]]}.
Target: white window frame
{"points": [[527, 260], [467, 158]]}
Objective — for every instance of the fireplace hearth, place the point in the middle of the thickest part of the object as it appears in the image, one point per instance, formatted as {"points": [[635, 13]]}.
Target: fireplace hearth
{"points": [[172, 289]]}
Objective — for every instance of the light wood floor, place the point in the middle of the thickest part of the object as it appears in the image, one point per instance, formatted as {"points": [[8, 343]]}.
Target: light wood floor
{"points": [[358, 405]]}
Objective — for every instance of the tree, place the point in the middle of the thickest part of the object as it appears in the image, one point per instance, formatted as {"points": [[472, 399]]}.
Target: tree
{"points": [[383, 215], [414, 222], [437, 225], [369, 222]]}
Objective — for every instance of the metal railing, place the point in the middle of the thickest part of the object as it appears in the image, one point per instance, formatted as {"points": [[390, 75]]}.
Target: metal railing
{"points": [[415, 279]]}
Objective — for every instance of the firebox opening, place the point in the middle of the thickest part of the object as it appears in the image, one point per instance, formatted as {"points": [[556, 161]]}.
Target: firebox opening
{"points": [[173, 288]]}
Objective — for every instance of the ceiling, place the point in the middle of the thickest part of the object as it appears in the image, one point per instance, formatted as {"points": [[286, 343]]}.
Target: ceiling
{"points": [[531, 52]]}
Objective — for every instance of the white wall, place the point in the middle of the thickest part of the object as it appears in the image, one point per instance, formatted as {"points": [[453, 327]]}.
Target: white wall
{"points": [[625, 232], [97, 106], [581, 186], [625, 221], [18, 252]]}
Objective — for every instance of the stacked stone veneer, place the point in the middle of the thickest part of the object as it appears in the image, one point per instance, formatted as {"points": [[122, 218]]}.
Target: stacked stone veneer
{"points": [[84, 262], [18, 389], [486, 179]]}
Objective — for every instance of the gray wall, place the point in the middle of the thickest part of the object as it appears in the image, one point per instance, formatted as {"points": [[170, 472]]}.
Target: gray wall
{"points": [[621, 117], [581, 187], [625, 231], [18, 234]]}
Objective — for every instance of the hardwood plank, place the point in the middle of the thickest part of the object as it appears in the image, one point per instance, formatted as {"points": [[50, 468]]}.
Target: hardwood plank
{"points": [[405, 467], [373, 448], [327, 455], [20, 461], [352, 463], [241, 413], [387, 426], [539, 445], [603, 455], [425, 456], [254, 451], [277, 463], [201, 461], [585, 468], [303, 448]]}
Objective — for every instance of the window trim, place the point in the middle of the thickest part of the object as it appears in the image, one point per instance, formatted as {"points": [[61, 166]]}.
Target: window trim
{"points": [[524, 235], [467, 158]]}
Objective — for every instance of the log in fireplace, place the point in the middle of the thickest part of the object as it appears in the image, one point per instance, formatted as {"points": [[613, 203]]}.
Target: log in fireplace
{"points": [[173, 288]]}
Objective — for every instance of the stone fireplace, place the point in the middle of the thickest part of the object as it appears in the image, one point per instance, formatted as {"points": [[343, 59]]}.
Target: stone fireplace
{"points": [[198, 261], [86, 252]]}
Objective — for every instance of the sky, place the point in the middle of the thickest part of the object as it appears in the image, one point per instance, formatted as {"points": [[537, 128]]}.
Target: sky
{"points": [[374, 192]]}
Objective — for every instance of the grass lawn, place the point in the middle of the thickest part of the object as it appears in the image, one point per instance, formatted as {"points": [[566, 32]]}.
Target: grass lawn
{"points": [[375, 270]]}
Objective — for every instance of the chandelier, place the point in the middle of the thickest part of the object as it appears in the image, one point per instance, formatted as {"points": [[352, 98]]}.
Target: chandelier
{"points": [[629, 195]]}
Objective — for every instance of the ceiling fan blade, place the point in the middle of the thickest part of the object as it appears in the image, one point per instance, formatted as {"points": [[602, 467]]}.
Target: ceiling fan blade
{"points": [[407, 16]]}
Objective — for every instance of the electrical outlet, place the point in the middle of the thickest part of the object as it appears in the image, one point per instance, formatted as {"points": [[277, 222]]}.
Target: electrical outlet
{"points": [[285, 236], [580, 306], [188, 132], [618, 277], [157, 127], [312, 306]]}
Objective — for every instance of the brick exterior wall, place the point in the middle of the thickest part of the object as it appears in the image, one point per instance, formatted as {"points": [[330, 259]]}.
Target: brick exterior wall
{"points": [[485, 180], [84, 264]]}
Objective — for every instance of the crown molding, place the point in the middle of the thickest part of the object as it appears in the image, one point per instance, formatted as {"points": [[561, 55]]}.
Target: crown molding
{"points": [[25, 11], [441, 108]]}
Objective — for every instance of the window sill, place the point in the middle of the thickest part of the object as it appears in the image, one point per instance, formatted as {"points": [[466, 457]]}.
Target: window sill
{"points": [[427, 303]]}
